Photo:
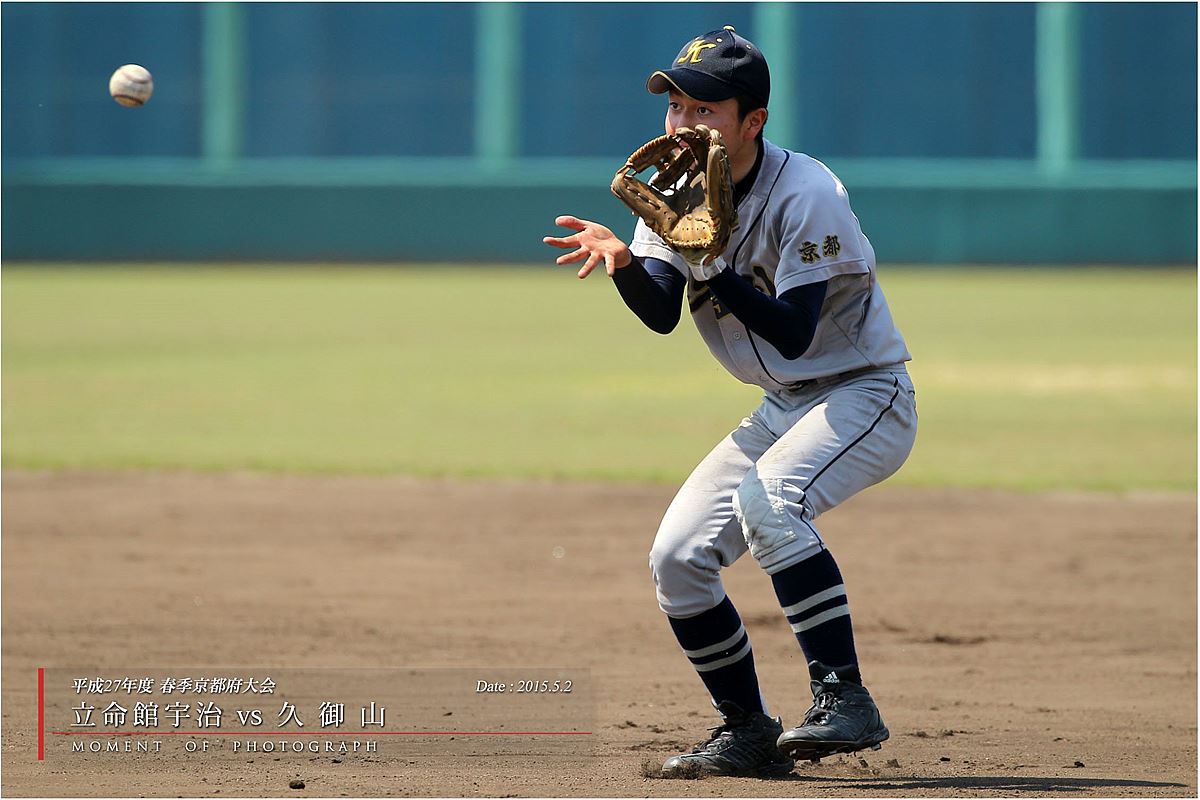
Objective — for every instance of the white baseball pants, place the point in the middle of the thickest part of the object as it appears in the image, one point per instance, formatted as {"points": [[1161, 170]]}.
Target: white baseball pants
{"points": [[801, 453]]}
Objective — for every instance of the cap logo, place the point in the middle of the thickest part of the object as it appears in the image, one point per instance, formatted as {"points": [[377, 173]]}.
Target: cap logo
{"points": [[694, 51]]}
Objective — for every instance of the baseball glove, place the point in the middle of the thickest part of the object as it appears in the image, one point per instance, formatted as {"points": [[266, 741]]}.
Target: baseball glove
{"points": [[689, 202]]}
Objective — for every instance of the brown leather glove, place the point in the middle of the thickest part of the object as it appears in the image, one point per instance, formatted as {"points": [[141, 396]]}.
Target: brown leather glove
{"points": [[689, 202]]}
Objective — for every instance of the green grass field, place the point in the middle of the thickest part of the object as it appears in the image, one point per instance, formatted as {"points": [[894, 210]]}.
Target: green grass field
{"points": [[1026, 379]]}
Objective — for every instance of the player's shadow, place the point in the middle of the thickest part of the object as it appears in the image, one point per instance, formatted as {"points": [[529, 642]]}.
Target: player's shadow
{"points": [[996, 783]]}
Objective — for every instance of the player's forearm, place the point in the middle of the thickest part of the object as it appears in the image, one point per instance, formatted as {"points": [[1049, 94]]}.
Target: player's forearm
{"points": [[656, 297], [788, 323]]}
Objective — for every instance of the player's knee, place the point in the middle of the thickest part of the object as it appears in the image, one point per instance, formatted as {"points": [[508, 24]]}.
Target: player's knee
{"points": [[771, 511], [684, 580], [671, 564], [758, 504]]}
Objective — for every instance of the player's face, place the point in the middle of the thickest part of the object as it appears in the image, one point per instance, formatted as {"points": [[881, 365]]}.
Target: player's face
{"points": [[687, 112]]}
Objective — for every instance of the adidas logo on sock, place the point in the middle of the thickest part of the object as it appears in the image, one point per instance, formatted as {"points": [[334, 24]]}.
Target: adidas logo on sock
{"points": [[830, 678]]}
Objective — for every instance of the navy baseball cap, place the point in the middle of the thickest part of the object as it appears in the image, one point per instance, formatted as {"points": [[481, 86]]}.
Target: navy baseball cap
{"points": [[716, 66]]}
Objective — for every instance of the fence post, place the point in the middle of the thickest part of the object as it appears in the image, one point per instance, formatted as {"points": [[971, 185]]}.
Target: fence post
{"points": [[775, 33], [497, 68], [1057, 74], [224, 81]]}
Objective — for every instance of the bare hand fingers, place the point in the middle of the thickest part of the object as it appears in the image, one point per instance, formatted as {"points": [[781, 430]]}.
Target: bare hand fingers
{"points": [[610, 264], [587, 268], [561, 241], [571, 258], [567, 221]]}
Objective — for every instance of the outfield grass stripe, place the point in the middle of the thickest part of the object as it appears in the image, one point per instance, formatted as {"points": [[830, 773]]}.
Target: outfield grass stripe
{"points": [[1027, 379]]}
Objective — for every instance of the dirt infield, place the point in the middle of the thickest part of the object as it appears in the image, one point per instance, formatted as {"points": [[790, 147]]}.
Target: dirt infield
{"points": [[1018, 645]]}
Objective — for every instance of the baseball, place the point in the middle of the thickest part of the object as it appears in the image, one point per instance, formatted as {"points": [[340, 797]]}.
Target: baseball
{"points": [[131, 85]]}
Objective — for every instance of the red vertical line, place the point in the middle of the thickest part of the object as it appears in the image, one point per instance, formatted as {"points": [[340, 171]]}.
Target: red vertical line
{"points": [[41, 714]]}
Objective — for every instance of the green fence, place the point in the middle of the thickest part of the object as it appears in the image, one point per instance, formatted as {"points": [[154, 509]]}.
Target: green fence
{"points": [[1057, 201]]}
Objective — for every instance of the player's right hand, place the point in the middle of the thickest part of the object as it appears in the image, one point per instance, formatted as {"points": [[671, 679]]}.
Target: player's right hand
{"points": [[596, 243]]}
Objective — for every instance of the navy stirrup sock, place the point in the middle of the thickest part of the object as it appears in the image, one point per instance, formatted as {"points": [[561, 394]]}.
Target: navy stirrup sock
{"points": [[814, 600], [717, 645]]}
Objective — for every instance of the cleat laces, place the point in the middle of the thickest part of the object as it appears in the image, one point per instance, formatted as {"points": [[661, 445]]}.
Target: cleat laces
{"points": [[823, 708], [716, 736]]}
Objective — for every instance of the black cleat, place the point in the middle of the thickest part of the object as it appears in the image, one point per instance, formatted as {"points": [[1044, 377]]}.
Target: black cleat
{"points": [[843, 719], [743, 747]]}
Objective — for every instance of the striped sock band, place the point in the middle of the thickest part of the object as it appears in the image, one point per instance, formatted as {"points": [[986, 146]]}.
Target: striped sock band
{"points": [[814, 599], [716, 643]]}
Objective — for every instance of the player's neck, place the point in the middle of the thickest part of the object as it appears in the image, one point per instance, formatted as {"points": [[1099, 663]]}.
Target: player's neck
{"points": [[743, 163]]}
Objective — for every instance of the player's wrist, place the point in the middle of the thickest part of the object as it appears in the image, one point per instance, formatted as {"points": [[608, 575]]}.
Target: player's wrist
{"points": [[705, 267], [623, 259]]}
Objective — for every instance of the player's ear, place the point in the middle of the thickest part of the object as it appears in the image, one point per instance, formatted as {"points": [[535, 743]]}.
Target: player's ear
{"points": [[753, 123]]}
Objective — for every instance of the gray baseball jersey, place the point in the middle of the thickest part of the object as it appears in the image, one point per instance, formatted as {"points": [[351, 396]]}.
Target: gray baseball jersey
{"points": [[795, 227], [838, 419]]}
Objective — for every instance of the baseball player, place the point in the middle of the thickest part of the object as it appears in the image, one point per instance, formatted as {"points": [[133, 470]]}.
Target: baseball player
{"points": [[792, 305]]}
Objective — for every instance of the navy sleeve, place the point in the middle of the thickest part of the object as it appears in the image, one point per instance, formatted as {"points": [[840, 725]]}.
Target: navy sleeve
{"points": [[787, 322], [653, 290]]}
